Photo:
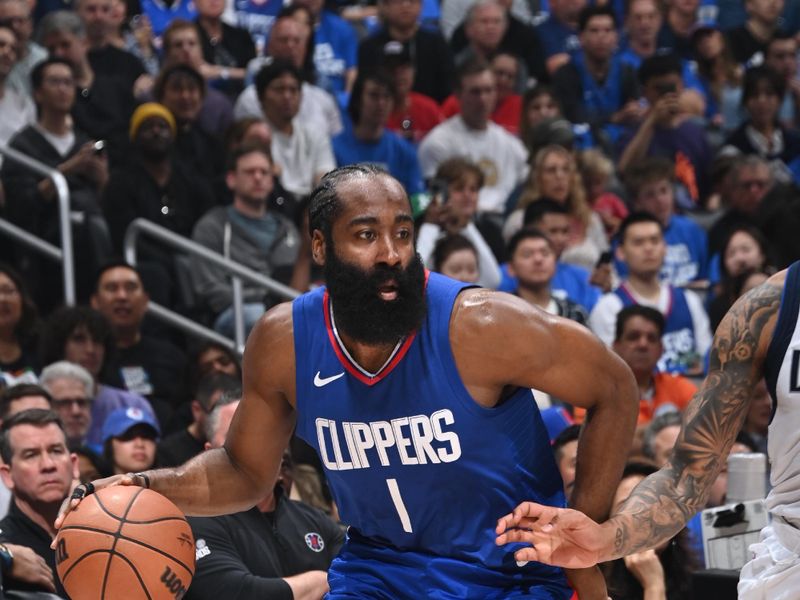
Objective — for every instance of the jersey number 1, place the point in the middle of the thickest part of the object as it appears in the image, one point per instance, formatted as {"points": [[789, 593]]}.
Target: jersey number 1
{"points": [[394, 492]]}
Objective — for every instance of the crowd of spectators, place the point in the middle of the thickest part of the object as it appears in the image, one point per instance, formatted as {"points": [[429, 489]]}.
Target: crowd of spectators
{"points": [[630, 165]]}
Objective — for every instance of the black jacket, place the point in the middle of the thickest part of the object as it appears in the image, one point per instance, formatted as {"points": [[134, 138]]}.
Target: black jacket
{"points": [[246, 555], [18, 529]]}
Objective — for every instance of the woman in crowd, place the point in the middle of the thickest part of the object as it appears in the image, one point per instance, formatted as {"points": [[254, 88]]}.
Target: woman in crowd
{"points": [[743, 256], [83, 336], [455, 256], [18, 326], [762, 133], [663, 572], [538, 103], [720, 78], [129, 440], [554, 175]]}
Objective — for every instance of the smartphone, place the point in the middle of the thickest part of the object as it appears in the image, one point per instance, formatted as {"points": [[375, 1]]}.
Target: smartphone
{"points": [[438, 188], [605, 258]]}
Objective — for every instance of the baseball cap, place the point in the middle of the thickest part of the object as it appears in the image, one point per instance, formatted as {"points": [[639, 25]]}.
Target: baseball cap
{"points": [[556, 420], [122, 419], [396, 54]]}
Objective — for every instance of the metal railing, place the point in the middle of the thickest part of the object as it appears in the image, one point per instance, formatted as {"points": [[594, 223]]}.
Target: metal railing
{"points": [[237, 272], [64, 254]]}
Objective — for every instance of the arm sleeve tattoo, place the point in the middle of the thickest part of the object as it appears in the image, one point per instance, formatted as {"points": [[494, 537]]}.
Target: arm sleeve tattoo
{"points": [[660, 506]]}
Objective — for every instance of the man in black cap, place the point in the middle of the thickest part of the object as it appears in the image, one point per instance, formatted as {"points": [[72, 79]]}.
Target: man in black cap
{"points": [[433, 62], [414, 114]]}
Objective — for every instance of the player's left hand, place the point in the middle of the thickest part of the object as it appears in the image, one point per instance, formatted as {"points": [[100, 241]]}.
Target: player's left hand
{"points": [[558, 536]]}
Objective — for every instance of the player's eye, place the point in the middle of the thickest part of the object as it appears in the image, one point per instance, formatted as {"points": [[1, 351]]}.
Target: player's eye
{"points": [[404, 234], [366, 235]]}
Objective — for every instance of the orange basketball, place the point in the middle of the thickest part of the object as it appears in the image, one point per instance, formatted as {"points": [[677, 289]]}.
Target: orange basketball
{"points": [[125, 542]]}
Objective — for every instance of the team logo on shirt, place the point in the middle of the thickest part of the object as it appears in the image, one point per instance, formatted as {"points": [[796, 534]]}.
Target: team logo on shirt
{"points": [[201, 549], [315, 542]]}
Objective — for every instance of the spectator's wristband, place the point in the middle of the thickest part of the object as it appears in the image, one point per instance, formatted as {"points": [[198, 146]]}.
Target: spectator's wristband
{"points": [[144, 478], [6, 559]]}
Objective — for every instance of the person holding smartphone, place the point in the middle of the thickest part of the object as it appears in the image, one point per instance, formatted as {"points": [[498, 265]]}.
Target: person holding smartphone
{"points": [[453, 210], [666, 130]]}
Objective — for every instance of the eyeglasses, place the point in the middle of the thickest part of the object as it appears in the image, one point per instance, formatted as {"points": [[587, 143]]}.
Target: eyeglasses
{"points": [[81, 403]]}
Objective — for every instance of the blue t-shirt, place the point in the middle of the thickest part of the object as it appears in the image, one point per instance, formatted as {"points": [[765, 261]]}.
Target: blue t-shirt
{"points": [[161, 15], [257, 17], [687, 253], [556, 38], [570, 281], [392, 152], [335, 51]]}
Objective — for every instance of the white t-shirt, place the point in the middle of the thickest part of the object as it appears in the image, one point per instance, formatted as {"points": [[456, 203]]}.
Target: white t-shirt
{"points": [[317, 108], [603, 318], [502, 158], [16, 111], [303, 156]]}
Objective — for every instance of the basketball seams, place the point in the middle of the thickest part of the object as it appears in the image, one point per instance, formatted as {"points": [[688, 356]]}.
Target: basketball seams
{"points": [[125, 538], [116, 535], [119, 541], [136, 572]]}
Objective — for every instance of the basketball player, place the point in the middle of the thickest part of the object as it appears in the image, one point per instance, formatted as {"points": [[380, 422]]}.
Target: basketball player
{"points": [[758, 338], [415, 391]]}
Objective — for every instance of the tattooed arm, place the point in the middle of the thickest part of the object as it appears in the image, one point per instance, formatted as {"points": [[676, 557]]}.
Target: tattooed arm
{"points": [[660, 506]]}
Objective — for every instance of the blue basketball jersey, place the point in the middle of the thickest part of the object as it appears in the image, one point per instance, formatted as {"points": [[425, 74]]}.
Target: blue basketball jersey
{"points": [[679, 339], [419, 471]]}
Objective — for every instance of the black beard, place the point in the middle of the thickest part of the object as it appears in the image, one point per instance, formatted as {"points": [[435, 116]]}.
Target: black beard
{"points": [[358, 308]]}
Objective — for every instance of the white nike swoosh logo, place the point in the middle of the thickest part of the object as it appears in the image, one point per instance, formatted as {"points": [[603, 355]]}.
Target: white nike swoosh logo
{"points": [[322, 382]]}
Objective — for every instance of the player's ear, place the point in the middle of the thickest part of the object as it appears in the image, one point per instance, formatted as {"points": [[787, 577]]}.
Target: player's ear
{"points": [[318, 247]]}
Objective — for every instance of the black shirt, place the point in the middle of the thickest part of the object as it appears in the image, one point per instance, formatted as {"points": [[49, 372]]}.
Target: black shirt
{"points": [[433, 61], [132, 192], [110, 61], [177, 448], [743, 44], [246, 555], [520, 39], [104, 112], [17, 528], [152, 368], [235, 48]]}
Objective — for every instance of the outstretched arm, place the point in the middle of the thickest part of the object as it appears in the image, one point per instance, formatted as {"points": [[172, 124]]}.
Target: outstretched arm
{"points": [[660, 506]]}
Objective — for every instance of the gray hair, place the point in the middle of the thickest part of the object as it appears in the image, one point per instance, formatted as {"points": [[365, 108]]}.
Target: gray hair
{"points": [[67, 370], [655, 427], [748, 161], [470, 14], [61, 21], [212, 420]]}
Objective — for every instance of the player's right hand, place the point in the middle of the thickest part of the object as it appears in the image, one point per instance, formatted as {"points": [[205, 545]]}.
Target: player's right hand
{"points": [[71, 501], [558, 536]]}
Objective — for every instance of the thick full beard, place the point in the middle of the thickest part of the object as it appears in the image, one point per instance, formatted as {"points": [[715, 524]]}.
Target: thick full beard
{"points": [[359, 310]]}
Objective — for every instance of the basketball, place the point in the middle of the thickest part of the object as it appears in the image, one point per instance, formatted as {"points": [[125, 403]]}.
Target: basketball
{"points": [[125, 542]]}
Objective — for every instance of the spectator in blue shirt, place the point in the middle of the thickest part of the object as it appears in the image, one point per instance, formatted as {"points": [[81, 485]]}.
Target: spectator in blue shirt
{"points": [[650, 184], [335, 50], [368, 139], [559, 33]]}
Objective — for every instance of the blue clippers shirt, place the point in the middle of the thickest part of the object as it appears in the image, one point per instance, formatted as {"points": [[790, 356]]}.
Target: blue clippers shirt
{"points": [[419, 471]]}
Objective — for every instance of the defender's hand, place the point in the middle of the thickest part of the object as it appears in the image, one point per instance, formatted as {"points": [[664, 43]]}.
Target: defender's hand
{"points": [[559, 536]]}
